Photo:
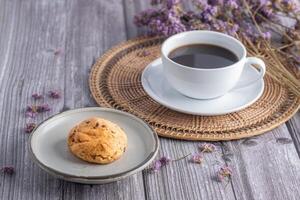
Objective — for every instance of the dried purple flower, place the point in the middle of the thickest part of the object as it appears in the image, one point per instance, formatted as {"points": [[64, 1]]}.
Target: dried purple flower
{"points": [[165, 161], [36, 96], [197, 158], [267, 12], [43, 108], [215, 2], [31, 111], [171, 3], [158, 164], [231, 4], [155, 167], [289, 4], [31, 108], [54, 94], [263, 2], [236, 18], [57, 52], [200, 4], [30, 127], [224, 172], [155, 2], [8, 170], [209, 12], [267, 35], [233, 30], [207, 148], [30, 114], [161, 22]]}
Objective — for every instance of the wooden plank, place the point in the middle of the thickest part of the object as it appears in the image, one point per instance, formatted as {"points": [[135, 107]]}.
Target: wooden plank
{"points": [[293, 126], [263, 167], [92, 28], [186, 180], [51, 45], [22, 41], [180, 180]]}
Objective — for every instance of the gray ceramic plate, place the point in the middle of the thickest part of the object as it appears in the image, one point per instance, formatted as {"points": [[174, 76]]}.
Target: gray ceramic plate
{"points": [[48, 147]]}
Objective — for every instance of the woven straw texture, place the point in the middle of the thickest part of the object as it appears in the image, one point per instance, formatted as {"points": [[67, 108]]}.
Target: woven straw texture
{"points": [[115, 82]]}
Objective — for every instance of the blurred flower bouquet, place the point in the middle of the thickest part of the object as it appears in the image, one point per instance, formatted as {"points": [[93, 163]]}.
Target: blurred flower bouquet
{"points": [[258, 23]]}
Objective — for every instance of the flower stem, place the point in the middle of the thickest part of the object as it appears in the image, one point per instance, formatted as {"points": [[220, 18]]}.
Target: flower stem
{"points": [[180, 158]]}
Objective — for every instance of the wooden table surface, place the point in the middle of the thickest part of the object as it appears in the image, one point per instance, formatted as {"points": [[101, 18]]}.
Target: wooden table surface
{"points": [[52, 44]]}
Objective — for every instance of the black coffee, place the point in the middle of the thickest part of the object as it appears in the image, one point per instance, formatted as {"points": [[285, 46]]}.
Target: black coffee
{"points": [[203, 56]]}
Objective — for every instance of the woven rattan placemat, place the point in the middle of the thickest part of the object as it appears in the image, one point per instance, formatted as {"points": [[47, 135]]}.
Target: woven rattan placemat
{"points": [[115, 81]]}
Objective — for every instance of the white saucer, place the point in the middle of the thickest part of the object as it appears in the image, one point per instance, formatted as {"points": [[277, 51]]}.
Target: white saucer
{"points": [[161, 91], [48, 147]]}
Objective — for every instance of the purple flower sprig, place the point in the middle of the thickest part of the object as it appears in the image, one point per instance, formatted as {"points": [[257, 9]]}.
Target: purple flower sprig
{"points": [[242, 19], [37, 96], [158, 164], [33, 110], [223, 173], [164, 161], [54, 94], [204, 148], [197, 158], [207, 148], [30, 127], [8, 170], [43, 108]]}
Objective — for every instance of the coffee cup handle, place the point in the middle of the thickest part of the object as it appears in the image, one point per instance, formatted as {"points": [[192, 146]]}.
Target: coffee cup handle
{"points": [[262, 70]]}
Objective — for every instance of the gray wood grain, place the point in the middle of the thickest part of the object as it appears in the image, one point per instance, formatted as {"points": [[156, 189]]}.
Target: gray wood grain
{"points": [[31, 32], [131, 8], [186, 180], [51, 45], [263, 167], [293, 126]]}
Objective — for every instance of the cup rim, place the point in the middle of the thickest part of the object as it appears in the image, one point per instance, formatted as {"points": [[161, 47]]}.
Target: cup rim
{"points": [[207, 32]]}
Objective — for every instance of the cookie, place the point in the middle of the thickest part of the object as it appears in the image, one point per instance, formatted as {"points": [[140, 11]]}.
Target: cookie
{"points": [[97, 140]]}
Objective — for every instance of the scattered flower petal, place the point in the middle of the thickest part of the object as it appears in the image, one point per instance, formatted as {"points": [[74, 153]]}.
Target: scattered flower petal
{"points": [[32, 109], [54, 94], [36, 96], [207, 148], [197, 158], [30, 127], [8, 170], [267, 35], [57, 52], [165, 161], [158, 164], [224, 172], [231, 4], [43, 108], [30, 114]]}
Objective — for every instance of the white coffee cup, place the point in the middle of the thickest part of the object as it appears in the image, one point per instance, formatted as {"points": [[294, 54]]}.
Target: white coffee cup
{"points": [[206, 83]]}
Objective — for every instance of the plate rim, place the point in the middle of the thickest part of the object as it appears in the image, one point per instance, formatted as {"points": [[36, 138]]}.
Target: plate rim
{"points": [[158, 100], [93, 179]]}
